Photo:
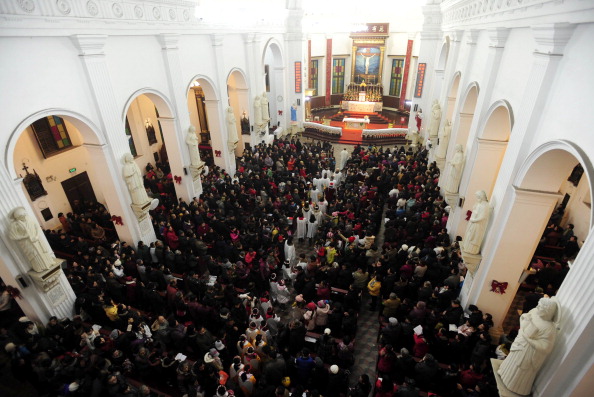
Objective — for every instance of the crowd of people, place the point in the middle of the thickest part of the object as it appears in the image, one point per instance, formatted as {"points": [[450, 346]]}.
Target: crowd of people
{"points": [[254, 288]]}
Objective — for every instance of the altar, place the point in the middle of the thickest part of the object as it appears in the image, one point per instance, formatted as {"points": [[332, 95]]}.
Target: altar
{"points": [[354, 123], [362, 106]]}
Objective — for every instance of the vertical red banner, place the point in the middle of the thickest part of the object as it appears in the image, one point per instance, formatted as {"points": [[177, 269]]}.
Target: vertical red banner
{"points": [[405, 77], [298, 78], [328, 70]]}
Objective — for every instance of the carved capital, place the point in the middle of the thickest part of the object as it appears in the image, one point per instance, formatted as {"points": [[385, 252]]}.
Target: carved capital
{"points": [[90, 44]]}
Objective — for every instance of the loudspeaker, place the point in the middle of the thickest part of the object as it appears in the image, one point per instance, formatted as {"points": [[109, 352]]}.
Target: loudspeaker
{"points": [[298, 102], [22, 282], [461, 202], [185, 171]]}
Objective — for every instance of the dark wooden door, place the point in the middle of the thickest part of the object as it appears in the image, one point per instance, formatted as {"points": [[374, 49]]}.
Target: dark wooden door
{"points": [[78, 188]]}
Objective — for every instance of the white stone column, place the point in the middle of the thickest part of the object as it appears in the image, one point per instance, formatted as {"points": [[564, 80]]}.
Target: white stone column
{"points": [[92, 54], [174, 134], [216, 126], [510, 254], [37, 304], [228, 160], [572, 358]]}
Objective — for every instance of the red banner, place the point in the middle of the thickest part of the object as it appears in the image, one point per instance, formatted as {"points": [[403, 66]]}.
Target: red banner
{"points": [[420, 80], [298, 78]]}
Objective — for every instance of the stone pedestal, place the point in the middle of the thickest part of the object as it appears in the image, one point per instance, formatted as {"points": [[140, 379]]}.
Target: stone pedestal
{"points": [[472, 261], [141, 210], [503, 391], [47, 279], [452, 199]]}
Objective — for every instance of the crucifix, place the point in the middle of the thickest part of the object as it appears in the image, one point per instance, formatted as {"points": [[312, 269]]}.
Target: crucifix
{"points": [[25, 168]]}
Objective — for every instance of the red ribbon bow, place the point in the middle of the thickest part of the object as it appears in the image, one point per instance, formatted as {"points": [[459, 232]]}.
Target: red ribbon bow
{"points": [[217, 153], [497, 287], [177, 179], [280, 112], [117, 220], [468, 214]]}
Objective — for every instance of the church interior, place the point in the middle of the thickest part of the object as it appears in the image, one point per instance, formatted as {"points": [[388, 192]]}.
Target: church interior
{"points": [[272, 163]]}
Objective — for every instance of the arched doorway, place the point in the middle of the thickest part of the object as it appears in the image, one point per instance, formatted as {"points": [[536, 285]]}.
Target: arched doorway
{"points": [[487, 155], [452, 95], [238, 93], [153, 141], [466, 114], [203, 107], [536, 192], [274, 84]]}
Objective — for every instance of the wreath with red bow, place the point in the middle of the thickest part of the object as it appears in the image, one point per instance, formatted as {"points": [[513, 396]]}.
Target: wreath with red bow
{"points": [[117, 220], [497, 287]]}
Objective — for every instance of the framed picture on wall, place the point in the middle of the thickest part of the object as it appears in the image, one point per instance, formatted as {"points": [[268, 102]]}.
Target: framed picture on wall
{"points": [[368, 64]]}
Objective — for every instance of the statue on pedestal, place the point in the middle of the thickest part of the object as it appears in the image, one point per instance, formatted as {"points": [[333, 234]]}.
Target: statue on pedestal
{"points": [[435, 118], [444, 140], [134, 181], [265, 109], [413, 137], [196, 164], [477, 224], [232, 138], [538, 330], [27, 233], [455, 167], [257, 114]]}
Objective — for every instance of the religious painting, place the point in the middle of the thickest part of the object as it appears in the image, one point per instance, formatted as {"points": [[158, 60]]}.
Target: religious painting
{"points": [[367, 64]]}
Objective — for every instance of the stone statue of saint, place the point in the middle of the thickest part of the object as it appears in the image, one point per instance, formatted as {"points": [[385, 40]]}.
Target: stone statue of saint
{"points": [[444, 140], [232, 138], [538, 330], [257, 113], [28, 235], [413, 137], [192, 142], [293, 113], [435, 118], [477, 224], [134, 181], [455, 167], [265, 109]]}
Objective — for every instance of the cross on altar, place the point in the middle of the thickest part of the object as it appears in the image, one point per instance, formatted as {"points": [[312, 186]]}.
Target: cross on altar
{"points": [[25, 168]]}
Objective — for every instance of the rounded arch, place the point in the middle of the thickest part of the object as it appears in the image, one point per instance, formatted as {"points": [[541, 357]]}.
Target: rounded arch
{"points": [[238, 77], [89, 131], [499, 122], [470, 98], [159, 99], [276, 51], [443, 55], [550, 164], [454, 84], [208, 86]]}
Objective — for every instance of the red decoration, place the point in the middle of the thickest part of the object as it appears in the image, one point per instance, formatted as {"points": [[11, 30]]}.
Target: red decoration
{"points": [[280, 112], [468, 214], [117, 220], [217, 153], [497, 287], [177, 179]]}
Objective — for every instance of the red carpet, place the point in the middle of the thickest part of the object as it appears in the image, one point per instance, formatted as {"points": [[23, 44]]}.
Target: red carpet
{"points": [[351, 136]]}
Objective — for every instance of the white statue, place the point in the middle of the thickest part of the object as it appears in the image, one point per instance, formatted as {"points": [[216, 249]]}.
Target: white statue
{"points": [[265, 109], [134, 181], [477, 224], [538, 330], [444, 140], [192, 142], [435, 118], [232, 138], [455, 171], [28, 235], [257, 113], [413, 137]]}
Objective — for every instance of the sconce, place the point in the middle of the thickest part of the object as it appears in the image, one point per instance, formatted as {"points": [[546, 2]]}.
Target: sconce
{"points": [[50, 178]]}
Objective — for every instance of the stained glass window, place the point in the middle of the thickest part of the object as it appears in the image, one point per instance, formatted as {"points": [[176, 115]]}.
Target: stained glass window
{"points": [[51, 135], [338, 75], [313, 75], [396, 76]]}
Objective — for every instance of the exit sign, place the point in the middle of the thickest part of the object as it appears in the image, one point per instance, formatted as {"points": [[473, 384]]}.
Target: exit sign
{"points": [[71, 170]]}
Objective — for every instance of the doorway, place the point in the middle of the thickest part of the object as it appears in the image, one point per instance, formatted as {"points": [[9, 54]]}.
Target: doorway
{"points": [[79, 188]]}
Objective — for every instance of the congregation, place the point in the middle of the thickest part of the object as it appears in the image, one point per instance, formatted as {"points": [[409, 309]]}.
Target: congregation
{"points": [[254, 289]]}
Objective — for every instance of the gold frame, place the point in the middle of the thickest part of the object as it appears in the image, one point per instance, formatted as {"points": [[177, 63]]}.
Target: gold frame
{"points": [[377, 42]]}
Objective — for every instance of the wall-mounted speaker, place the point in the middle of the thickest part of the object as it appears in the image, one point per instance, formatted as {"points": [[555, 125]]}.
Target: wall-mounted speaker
{"points": [[22, 282]]}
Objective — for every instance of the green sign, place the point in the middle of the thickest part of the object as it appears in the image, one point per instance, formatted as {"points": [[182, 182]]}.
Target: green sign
{"points": [[71, 170]]}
